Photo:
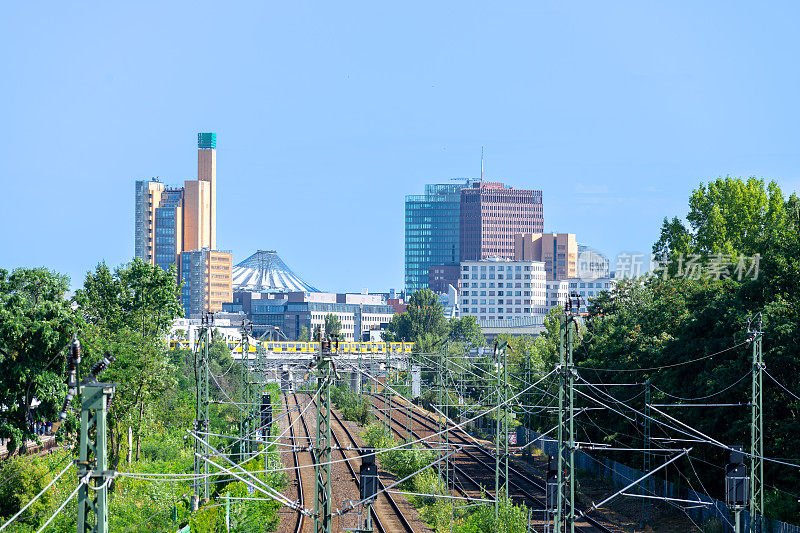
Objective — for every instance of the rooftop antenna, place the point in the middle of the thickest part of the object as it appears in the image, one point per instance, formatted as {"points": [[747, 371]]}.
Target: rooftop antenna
{"points": [[481, 164]]}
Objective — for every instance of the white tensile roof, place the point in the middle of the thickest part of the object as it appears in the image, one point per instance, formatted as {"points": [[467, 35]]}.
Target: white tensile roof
{"points": [[265, 271]]}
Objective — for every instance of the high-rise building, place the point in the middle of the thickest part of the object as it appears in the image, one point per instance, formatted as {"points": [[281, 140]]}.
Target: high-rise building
{"points": [[431, 234], [558, 251], [169, 220], [168, 224], [207, 172], [206, 276], [148, 197], [491, 214]]}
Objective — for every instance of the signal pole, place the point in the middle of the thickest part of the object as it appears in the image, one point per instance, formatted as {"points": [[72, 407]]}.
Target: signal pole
{"points": [[757, 435], [566, 400], [322, 446], [202, 421]]}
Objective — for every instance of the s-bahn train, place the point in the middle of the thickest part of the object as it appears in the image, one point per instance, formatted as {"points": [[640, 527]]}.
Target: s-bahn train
{"points": [[313, 347]]}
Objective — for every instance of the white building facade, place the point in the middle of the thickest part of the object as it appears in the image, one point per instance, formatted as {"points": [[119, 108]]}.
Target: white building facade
{"points": [[503, 291], [559, 290]]}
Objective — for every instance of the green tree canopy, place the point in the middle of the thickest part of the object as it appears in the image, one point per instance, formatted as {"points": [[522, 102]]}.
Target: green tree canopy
{"points": [[128, 311], [137, 296], [423, 321], [333, 325], [467, 330], [727, 216], [36, 323]]}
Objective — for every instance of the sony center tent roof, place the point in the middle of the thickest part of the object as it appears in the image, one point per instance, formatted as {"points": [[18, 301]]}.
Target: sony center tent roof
{"points": [[265, 271]]}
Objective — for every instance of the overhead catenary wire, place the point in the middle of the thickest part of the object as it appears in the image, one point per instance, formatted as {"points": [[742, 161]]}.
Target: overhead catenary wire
{"points": [[82, 482], [10, 520], [662, 367]]}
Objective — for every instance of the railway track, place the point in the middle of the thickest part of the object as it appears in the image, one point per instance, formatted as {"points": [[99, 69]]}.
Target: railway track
{"points": [[386, 513], [482, 461], [303, 465]]}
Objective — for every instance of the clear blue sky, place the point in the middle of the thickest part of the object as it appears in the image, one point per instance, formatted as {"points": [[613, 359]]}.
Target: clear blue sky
{"points": [[328, 113]]}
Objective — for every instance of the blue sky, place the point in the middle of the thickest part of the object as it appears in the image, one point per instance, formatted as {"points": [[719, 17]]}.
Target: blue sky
{"points": [[327, 114]]}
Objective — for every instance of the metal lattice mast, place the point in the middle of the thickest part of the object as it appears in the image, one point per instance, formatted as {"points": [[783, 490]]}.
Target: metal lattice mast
{"points": [[202, 422], [387, 393], [440, 422], [646, 461], [93, 495], [244, 393], [322, 446], [757, 437], [409, 423], [566, 427], [501, 412]]}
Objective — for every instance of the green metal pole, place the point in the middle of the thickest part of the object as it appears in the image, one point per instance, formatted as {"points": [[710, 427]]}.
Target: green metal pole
{"points": [[386, 389], [646, 463], [757, 439], [244, 430], [505, 422], [562, 348], [201, 491], [410, 379], [571, 377], [322, 448], [93, 460]]}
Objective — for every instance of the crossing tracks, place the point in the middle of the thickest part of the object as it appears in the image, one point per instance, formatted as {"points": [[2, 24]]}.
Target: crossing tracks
{"points": [[387, 514], [473, 466]]}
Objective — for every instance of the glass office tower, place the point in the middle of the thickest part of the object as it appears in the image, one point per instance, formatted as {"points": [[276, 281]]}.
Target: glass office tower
{"points": [[432, 225]]}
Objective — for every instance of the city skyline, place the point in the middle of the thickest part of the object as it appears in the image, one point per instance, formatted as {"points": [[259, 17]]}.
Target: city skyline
{"points": [[616, 123]]}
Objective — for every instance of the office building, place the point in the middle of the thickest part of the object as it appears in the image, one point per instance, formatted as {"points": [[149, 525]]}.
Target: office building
{"points": [[558, 251], [431, 231], [592, 264], [441, 277], [168, 224], [289, 312], [206, 276], [148, 197], [170, 220], [491, 214], [558, 291], [498, 289]]}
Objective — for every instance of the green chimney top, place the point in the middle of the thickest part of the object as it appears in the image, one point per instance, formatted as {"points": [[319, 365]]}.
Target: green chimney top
{"points": [[207, 141]]}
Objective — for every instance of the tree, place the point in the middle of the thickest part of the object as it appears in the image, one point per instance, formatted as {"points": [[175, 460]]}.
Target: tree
{"points": [[128, 313], [467, 330], [423, 321], [728, 216], [332, 325], [304, 335], [36, 323], [136, 296]]}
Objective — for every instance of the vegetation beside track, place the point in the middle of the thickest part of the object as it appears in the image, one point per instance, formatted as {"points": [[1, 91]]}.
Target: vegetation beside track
{"points": [[442, 514]]}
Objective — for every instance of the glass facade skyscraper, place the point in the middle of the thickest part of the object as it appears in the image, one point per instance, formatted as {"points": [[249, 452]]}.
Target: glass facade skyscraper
{"points": [[432, 225]]}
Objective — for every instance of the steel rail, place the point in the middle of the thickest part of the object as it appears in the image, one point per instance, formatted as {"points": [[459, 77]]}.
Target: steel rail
{"points": [[525, 478], [296, 459], [392, 503]]}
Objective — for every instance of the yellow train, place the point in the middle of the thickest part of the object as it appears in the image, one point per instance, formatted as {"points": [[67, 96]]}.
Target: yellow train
{"points": [[313, 347]]}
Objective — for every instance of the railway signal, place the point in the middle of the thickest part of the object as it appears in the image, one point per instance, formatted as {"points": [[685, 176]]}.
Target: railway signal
{"points": [[736, 485]]}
